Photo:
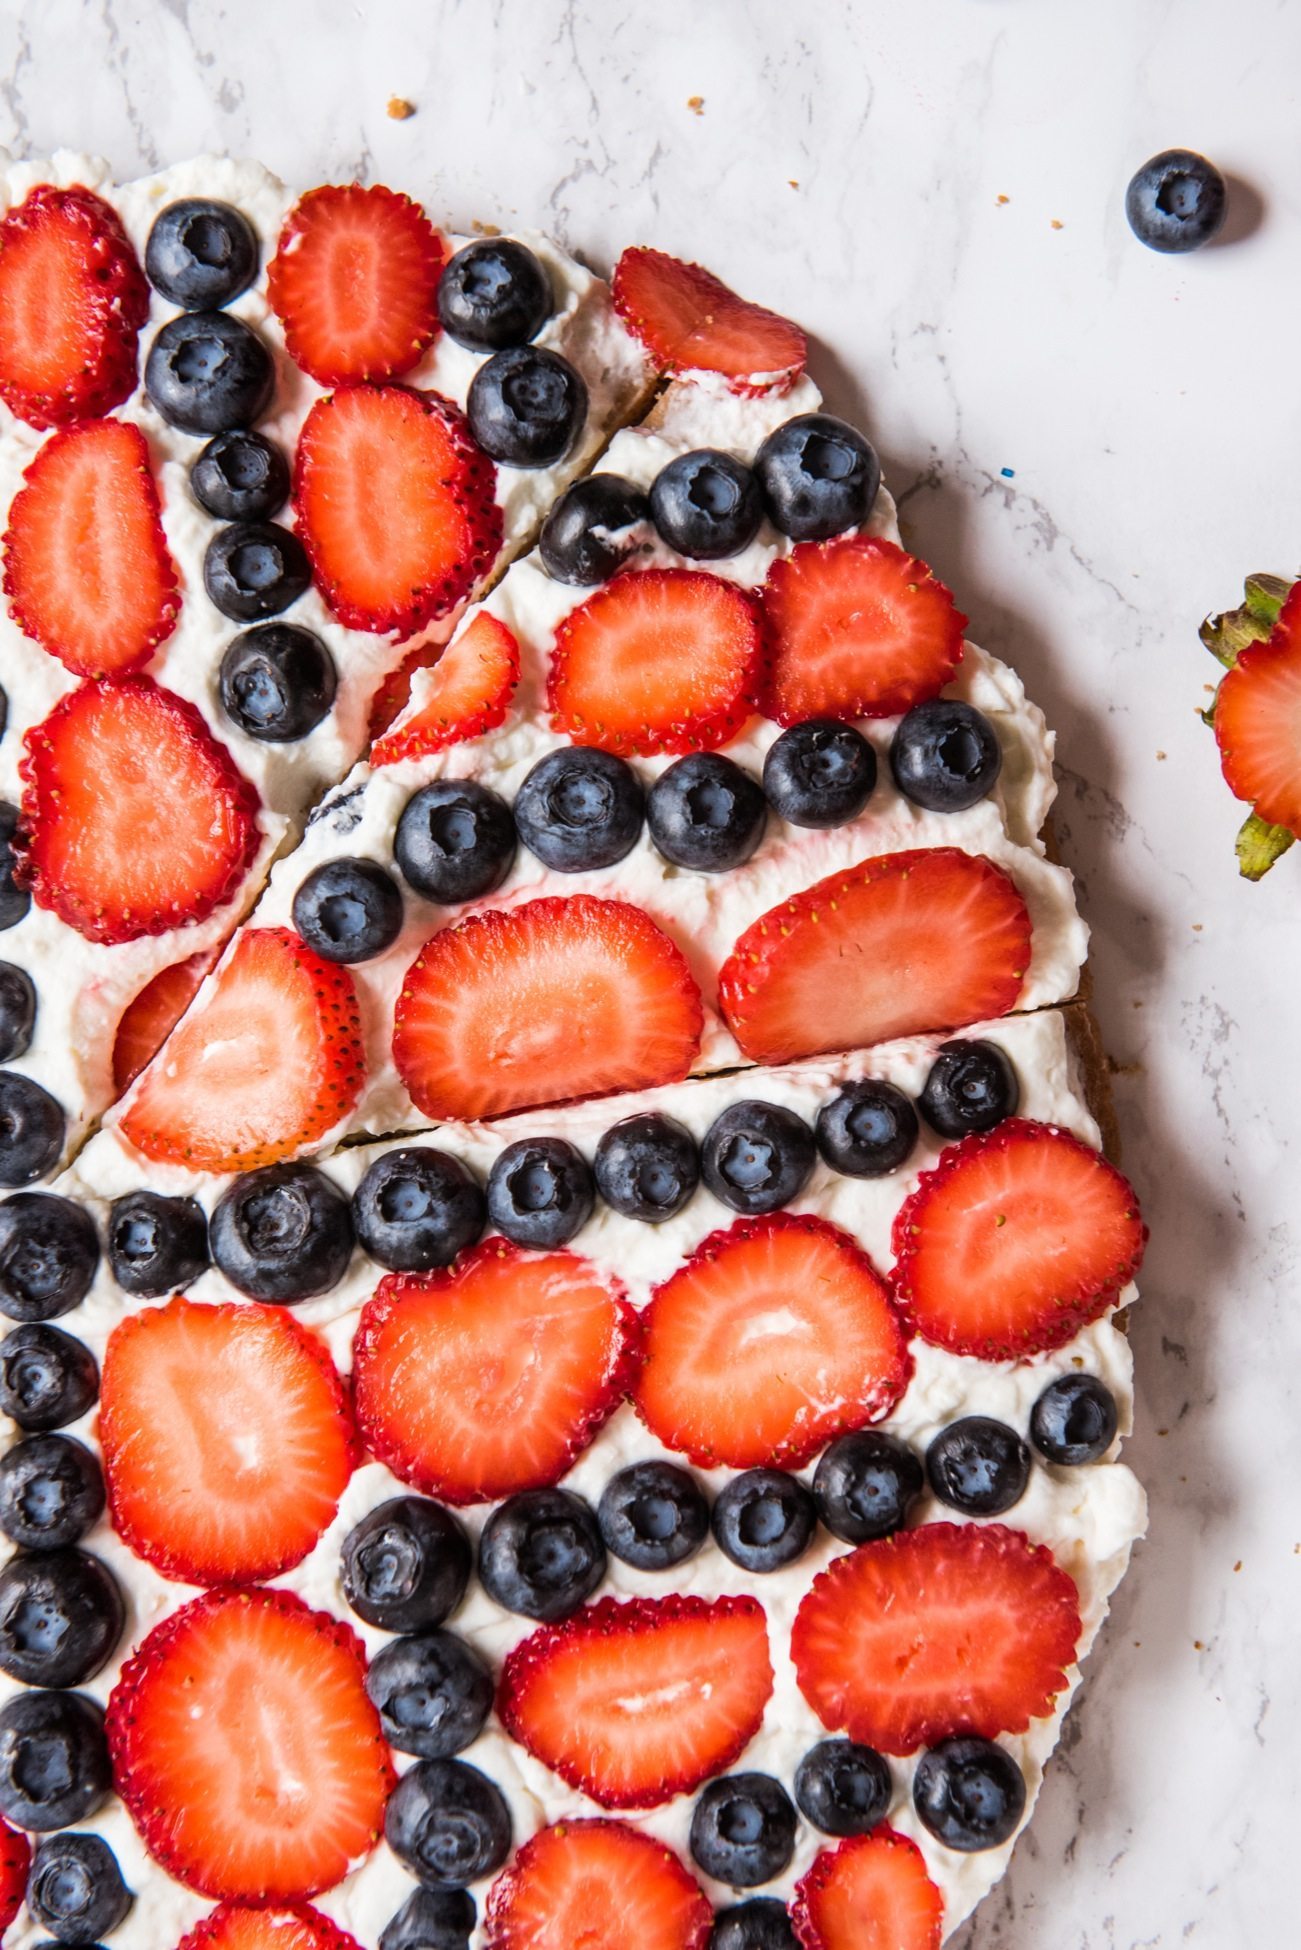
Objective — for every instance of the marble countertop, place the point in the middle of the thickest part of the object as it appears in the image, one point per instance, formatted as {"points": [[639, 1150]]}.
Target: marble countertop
{"points": [[1093, 445]]}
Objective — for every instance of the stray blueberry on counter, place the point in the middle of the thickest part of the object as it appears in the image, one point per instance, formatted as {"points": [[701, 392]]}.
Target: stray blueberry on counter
{"points": [[653, 1515], [705, 812], [757, 1157], [865, 1484], [764, 1520], [277, 682], [254, 569], [348, 910], [155, 1244], [455, 841], [647, 1167], [282, 1233], [541, 1554], [447, 1823], [240, 476], [526, 406], [432, 1692], [969, 1793], [54, 1765], [978, 1465], [743, 1829], [417, 1208], [48, 1254], [867, 1129], [820, 773], [540, 1192], [1074, 1420], [207, 372], [592, 529], [971, 1086], [945, 755], [819, 476], [492, 294], [200, 254], [1176, 202], [843, 1788], [579, 809], [47, 1379], [706, 505]]}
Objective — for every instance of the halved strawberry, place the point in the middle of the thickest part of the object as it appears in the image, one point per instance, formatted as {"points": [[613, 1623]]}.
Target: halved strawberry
{"points": [[492, 1376], [392, 694], [1258, 721], [952, 1628], [227, 1439], [661, 660], [246, 1750], [72, 301], [859, 629], [872, 1892], [465, 694], [899, 945], [1017, 1239], [395, 506], [558, 999], [265, 1068], [87, 571], [15, 1860], [595, 1885], [635, 1702], [135, 820], [690, 321], [355, 283], [153, 1012], [232, 1926], [776, 1335]]}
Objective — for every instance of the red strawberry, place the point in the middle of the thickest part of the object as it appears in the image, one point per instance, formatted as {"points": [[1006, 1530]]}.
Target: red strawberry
{"points": [[1258, 721], [596, 1884], [859, 629], [689, 321], [395, 506], [1017, 1239], [468, 693], [665, 660], [896, 946], [233, 1927], [86, 565], [135, 820], [636, 1702], [15, 1860], [72, 300], [558, 999], [266, 1068], [151, 1015], [952, 1628], [870, 1893], [355, 282], [393, 692], [776, 1335], [246, 1750], [492, 1376], [226, 1436]]}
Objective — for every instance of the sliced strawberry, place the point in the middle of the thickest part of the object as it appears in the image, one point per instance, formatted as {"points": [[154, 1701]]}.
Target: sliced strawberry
{"points": [[227, 1439], [264, 1069], [151, 1015], [952, 1628], [636, 1702], [135, 820], [246, 1750], [395, 506], [492, 1376], [558, 999], [72, 301], [859, 629], [1258, 721], [87, 571], [355, 283], [231, 1926], [665, 660], [15, 1860], [689, 321], [595, 1885], [1017, 1239], [393, 692], [466, 693], [870, 1893], [900, 945], [776, 1335]]}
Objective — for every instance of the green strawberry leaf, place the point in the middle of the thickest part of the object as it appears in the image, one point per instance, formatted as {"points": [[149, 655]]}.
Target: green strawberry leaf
{"points": [[1258, 846]]}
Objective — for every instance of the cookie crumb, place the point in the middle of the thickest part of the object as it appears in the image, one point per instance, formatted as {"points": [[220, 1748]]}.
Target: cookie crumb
{"points": [[1198, 1646], [696, 103], [486, 229], [1196, 926], [1160, 754], [1238, 1565], [1002, 199], [1056, 224], [399, 108], [794, 182]]}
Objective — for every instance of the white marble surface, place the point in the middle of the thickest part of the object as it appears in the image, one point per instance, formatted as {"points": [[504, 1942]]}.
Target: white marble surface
{"points": [[1149, 409]]}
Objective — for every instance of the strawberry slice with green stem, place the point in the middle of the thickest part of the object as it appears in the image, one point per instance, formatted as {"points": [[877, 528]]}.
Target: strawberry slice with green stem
{"points": [[690, 321], [466, 693], [1257, 718]]}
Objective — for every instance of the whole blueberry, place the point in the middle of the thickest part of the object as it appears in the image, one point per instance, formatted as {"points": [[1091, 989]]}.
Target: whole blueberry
{"points": [[705, 812], [820, 773], [51, 1492], [432, 1692], [757, 1157], [14, 900], [818, 476], [348, 910], [447, 1823], [580, 809], [54, 1765], [207, 372], [593, 529], [254, 569], [455, 841], [32, 1128], [867, 1129], [647, 1167], [764, 1520], [277, 682], [406, 1564], [743, 1829], [978, 1465], [201, 254], [1176, 202], [492, 294], [540, 1192], [1074, 1420], [48, 1255], [653, 1515], [47, 1379], [526, 406], [843, 1788], [240, 476], [417, 1208], [969, 1793], [432, 1919], [706, 505], [76, 1889], [540, 1554], [282, 1233], [971, 1086], [865, 1484], [760, 1924], [61, 1614], [17, 1011], [945, 755], [156, 1244]]}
